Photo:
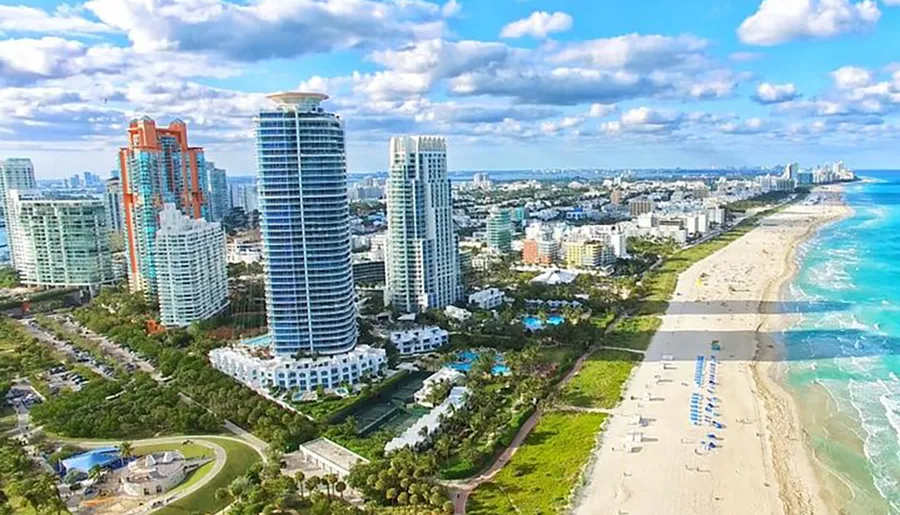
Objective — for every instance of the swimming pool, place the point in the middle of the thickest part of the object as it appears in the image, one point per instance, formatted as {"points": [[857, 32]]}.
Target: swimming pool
{"points": [[465, 359], [533, 323]]}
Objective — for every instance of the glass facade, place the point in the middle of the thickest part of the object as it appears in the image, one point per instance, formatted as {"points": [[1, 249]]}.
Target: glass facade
{"points": [[60, 241], [422, 253], [157, 167], [305, 226]]}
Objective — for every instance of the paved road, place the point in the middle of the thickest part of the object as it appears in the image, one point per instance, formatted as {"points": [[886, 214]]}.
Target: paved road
{"points": [[64, 347], [120, 354]]}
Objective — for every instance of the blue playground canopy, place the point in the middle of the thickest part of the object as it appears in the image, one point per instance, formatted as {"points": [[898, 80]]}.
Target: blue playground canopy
{"points": [[85, 461]]}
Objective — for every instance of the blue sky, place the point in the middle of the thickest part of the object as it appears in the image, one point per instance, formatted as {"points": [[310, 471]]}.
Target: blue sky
{"points": [[510, 83]]}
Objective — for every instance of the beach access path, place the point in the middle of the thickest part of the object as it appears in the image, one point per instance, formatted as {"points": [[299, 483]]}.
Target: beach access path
{"points": [[659, 464]]}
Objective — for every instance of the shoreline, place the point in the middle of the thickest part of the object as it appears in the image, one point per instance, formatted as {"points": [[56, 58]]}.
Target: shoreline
{"points": [[790, 452], [651, 456]]}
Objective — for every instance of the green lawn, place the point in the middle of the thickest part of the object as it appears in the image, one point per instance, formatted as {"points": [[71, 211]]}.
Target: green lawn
{"points": [[239, 458], [542, 473], [633, 332], [7, 418], [188, 451], [599, 382], [324, 408]]}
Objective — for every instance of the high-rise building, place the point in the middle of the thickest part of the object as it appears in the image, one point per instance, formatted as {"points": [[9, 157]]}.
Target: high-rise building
{"points": [[15, 174], [499, 230], [640, 206], [74, 182], [615, 198], [588, 254], [790, 171], [60, 241], [92, 180], [113, 203], [305, 226], [157, 167], [191, 271], [217, 192], [422, 252], [245, 196]]}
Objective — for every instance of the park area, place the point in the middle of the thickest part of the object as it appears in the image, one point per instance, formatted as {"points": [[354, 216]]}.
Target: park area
{"points": [[542, 473], [633, 332], [239, 458], [600, 381]]}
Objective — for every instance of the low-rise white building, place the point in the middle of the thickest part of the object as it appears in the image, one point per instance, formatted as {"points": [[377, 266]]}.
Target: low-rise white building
{"points": [[258, 369], [458, 314], [489, 298], [445, 375], [419, 339], [157, 473], [425, 428], [329, 456], [244, 251]]}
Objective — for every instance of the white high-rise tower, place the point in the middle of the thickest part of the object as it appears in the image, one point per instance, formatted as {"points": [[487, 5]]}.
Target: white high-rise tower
{"points": [[422, 252]]}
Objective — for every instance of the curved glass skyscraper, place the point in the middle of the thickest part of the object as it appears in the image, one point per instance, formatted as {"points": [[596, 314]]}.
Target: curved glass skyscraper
{"points": [[305, 224]]}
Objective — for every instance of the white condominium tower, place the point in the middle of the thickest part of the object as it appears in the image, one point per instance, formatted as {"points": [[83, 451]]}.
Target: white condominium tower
{"points": [[191, 272], [305, 226], [59, 241], [15, 174], [422, 252]]}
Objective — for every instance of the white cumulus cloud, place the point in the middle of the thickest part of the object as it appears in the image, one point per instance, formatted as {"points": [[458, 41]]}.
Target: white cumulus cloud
{"points": [[768, 93], [849, 77], [781, 21], [539, 25]]}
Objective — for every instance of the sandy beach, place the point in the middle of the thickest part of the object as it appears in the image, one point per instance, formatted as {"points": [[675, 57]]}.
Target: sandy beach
{"points": [[652, 457]]}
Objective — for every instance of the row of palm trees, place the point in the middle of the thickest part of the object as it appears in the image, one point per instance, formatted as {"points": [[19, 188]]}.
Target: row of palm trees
{"points": [[305, 485]]}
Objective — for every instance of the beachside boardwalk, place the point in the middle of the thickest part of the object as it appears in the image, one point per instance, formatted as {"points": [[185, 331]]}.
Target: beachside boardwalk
{"points": [[653, 458]]}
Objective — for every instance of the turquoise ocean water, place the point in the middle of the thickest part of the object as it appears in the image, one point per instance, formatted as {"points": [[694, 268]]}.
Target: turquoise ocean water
{"points": [[847, 343]]}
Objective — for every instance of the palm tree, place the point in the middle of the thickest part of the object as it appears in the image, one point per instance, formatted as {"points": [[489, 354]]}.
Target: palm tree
{"points": [[340, 486], [126, 450], [330, 480], [95, 473], [313, 483], [300, 477]]}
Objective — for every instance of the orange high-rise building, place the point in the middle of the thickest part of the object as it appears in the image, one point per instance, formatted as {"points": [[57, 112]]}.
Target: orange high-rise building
{"points": [[158, 166]]}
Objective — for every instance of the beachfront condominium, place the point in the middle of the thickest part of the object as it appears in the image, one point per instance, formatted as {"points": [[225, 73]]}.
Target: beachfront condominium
{"points": [[60, 241], [191, 271], [218, 196], [499, 230], [422, 258], [15, 174], [305, 226], [157, 167]]}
